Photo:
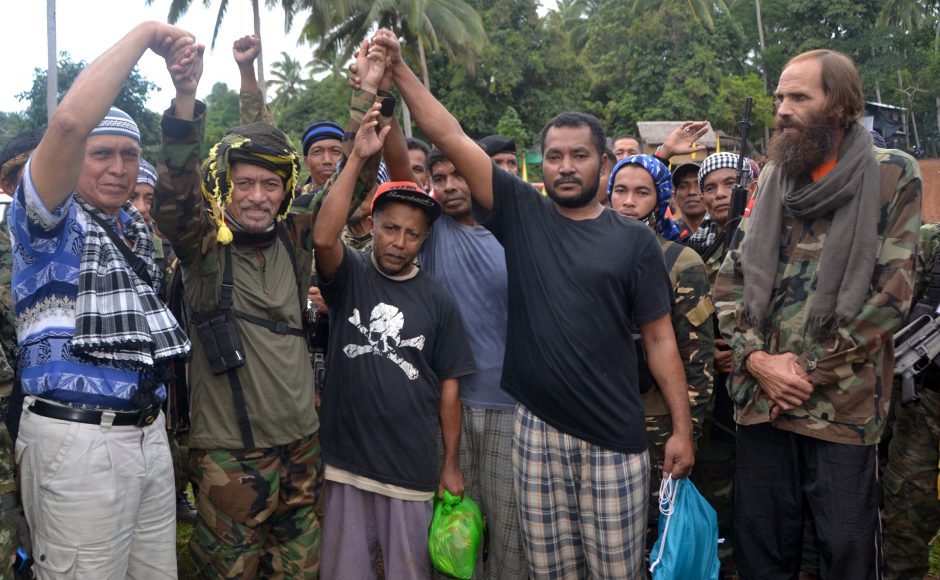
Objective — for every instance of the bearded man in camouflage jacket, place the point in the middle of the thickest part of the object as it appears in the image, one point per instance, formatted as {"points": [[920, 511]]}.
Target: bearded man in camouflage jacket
{"points": [[818, 280]]}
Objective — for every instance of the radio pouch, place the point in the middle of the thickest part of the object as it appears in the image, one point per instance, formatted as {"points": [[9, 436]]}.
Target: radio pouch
{"points": [[220, 340]]}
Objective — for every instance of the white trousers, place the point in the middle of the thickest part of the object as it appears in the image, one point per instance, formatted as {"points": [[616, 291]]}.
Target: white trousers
{"points": [[100, 501]]}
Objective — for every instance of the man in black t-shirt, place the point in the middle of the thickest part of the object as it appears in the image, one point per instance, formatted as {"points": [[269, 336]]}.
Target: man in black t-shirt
{"points": [[397, 348], [579, 276]]}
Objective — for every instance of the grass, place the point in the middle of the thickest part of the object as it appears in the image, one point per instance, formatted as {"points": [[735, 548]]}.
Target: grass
{"points": [[935, 556], [184, 562], [187, 570]]}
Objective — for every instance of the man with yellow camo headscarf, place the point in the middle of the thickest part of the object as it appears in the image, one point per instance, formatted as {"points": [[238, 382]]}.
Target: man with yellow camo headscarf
{"points": [[246, 266]]}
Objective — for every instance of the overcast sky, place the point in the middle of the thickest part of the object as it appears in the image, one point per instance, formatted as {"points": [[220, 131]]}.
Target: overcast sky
{"points": [[86, 28]]}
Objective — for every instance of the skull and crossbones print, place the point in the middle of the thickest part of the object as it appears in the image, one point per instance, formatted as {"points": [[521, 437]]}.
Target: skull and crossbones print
{"points": [[384, 336]]}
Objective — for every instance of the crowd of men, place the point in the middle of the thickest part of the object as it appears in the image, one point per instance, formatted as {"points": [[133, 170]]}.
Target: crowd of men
{"points": [[417, 318]]}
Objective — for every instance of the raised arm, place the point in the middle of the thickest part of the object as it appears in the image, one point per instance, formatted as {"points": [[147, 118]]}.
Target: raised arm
{"points": [[440, 126], [336, 206], [251, 105], [178, 204], [57, 160]]}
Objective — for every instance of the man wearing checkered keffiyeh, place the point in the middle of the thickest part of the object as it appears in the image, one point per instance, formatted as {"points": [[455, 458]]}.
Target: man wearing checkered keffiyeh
{"points": [[94, 338], [717, 198]]}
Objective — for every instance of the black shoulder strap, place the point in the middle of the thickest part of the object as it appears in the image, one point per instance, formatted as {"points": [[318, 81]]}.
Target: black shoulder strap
{"points": [[135, 262], [289, 246], [672, 254]]}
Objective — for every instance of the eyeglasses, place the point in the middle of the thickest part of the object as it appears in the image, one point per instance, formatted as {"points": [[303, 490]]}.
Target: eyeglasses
{"points": [[268, 185]]}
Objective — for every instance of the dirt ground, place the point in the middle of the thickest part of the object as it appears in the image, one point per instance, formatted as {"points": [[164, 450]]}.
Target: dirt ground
{"points": [[930, 174]]}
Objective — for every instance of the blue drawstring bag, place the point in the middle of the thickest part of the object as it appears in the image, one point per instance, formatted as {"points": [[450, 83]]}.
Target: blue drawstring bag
{"points": [[687, 546]]}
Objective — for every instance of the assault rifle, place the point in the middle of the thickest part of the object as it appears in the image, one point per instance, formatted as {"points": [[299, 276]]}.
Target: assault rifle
{"points": [[739, 191], [915, 347]]}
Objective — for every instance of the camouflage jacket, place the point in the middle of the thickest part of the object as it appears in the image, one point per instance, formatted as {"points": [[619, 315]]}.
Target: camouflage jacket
{"points": [[253, 109], [9, 349], [852, 372], [692, 324], [926, 253]]}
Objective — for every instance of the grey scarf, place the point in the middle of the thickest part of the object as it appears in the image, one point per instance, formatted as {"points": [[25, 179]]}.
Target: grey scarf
{"points": [[852, 191]]}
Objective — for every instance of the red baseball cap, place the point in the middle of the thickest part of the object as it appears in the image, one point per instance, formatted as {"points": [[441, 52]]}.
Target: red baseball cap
{"points": [[407, 192]]}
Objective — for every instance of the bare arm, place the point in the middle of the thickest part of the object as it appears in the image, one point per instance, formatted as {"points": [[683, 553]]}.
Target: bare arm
{"points": [[666, 367], [451, 477], [440, 126], [335, 209], [57, 160]]}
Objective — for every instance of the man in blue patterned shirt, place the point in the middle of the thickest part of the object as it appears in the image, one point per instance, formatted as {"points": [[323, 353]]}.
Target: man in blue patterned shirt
{"points": [[97, 478]]}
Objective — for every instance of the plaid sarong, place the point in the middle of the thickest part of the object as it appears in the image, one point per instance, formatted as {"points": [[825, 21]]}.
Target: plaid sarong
{"points": [[582, 507], [119, 320], [486, 461]]}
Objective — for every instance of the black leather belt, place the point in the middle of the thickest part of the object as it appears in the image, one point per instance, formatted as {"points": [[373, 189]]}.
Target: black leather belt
{"points": [[140, 418]]}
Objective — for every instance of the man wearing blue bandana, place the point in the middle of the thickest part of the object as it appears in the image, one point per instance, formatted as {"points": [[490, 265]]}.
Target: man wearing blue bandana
{"points": [[97, 478], [580, 279], [640, 188]]}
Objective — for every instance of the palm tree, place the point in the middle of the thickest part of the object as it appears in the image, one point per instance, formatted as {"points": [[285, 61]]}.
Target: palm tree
{"points": [[179, 7], [910, 14], [572, 17], [907, 14], [288, 79], [701, 9], [449, 24], [334, 62]]}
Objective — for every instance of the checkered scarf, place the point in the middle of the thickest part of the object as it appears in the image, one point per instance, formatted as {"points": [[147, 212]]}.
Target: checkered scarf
{"points": [[119, 319], [704, 237]]}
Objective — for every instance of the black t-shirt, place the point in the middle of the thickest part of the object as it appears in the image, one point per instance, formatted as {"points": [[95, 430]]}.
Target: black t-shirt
{"points": [[576, 288], [391, 343]]}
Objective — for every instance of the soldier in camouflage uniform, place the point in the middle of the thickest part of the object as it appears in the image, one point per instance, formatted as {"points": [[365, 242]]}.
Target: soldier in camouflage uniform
{"points": [[14, 531], [911, 512], [12, 160], [640, 187], [255, 456], [811, 330], [714, 470]]}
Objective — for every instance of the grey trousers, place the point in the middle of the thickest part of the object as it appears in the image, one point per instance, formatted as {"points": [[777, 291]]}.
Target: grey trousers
{"points": [[358, 522]]}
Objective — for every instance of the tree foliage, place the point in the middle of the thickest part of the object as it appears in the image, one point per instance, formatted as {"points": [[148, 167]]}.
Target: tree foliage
{"points": [[132, 100], [623, 61]]}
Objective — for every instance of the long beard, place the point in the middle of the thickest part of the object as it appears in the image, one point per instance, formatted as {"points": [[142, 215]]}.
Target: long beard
{"points": [[587, 195], [798, 154]]}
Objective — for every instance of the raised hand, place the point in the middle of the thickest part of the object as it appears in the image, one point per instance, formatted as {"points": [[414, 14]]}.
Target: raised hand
{"points": [[246, 50], [185, 61], [387, 39], [368, 142], [370, 65], [682, 140], [165, 37]]}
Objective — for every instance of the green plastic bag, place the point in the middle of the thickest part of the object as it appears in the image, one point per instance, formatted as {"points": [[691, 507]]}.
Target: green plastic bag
{"points": [[455, 535]]}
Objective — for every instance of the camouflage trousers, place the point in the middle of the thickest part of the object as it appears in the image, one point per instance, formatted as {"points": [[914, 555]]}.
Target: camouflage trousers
{"points": [[257, 511], [658, 431], [911, 513], [713, 475]]}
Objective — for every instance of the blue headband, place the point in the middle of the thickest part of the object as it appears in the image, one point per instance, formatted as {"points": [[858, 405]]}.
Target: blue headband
{"points": [[662, 179], [319, 131]]}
